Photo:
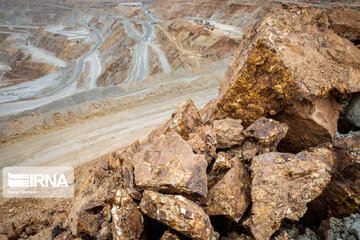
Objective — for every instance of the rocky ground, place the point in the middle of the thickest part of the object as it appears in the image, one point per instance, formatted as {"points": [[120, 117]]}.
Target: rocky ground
{"points": [[276, 155]]}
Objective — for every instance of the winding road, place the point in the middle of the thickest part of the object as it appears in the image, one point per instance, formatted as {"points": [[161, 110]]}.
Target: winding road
{"points": [[52, 87]]}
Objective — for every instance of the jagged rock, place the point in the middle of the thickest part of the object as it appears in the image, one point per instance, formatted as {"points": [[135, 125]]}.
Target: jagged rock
{"points": [[178, 213], [172, 235], [185, 119], [282, 185], [231, 195], [204, 142], [353, 110], [218, 170], [228, 132], [249, 150], [342, 195], [267, 132], [221, 163], [293, 67], [117, 158], [128, 222], [284, 235], [346, 23], [91, 207], [167, 163]]}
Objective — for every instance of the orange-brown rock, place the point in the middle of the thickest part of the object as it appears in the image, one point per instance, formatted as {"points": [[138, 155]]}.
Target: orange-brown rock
{"points": [[221, 163], [185, 119], [267, 132], [127, 219], [342, 195], [168, 164], [346, 23], [292, 64], [91, 207], [236, 236], [204, 142], [172, 235], [231, 195], [178, 213], [282, 185], [228, 132]]}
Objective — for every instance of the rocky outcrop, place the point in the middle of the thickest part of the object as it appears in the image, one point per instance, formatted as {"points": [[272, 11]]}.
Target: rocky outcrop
{"points": [[282, 185], [178, 213], [228, 133], [168, 164], [231, 195], [293, 67]]}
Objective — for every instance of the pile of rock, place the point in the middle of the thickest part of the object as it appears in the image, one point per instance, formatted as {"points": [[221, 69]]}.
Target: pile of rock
{"points": [[260, 154]]}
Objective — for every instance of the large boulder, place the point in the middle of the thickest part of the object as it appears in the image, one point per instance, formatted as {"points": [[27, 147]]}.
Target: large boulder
{"points": [[231, 195], [292, 67], [282, 185], [168, 164], [178, 213], [127, 220]]}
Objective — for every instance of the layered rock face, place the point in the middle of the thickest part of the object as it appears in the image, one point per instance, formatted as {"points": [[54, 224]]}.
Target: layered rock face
{"points": [[259, 158], [293, 67]]}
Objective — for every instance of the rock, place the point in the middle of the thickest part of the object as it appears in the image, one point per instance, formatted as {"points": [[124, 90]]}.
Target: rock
{"points": [[172, 235], [355, 228], [284, 235], [168, 164], [352, 113], [204, 142], [342, 195], [236, 236], [228, 132], [292, 67], [208, 135], [249, 150], [179, 214], [185, 119], [345, 228], [91, 207], [221, 163], [267, 132], [128, 222], [105, 232], [57, 230], [282, 185], [346, 23], [231, 195], [117, 159]]}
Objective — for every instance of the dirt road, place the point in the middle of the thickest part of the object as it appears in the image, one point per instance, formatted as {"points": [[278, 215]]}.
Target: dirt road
{"points": [[81, 143]]}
